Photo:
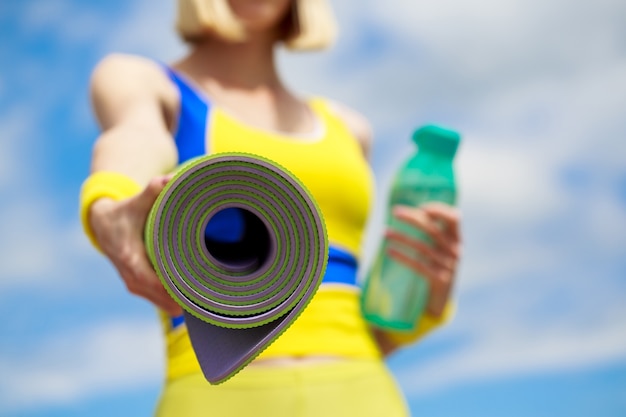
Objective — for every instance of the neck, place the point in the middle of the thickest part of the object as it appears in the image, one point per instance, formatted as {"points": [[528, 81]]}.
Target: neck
{"points": [[247, 64]]}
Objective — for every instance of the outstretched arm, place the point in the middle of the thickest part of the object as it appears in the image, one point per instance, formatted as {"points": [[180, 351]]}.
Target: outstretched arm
{"points": [[135, 105]]}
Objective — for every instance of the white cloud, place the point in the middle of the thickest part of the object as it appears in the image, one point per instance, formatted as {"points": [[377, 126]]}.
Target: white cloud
{"points": [[505, 347], [506, 181], [607, 224], [148, 29], [492, 65], [485, 264], [511, 38], [108, 357], [35, 249]]}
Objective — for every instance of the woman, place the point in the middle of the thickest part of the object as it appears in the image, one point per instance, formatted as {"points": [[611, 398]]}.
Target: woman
{"points": [[226, 95]]}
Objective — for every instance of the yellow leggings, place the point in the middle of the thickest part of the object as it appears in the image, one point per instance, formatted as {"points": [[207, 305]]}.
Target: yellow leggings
{"points": [[347, 388]]}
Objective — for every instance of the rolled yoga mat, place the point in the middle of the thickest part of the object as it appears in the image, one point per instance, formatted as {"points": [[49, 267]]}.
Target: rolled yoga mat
{"points": [[236, 299]]}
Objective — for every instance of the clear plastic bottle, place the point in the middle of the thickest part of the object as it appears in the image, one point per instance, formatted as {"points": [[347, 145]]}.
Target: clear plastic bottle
{"points": [[394, 296]]}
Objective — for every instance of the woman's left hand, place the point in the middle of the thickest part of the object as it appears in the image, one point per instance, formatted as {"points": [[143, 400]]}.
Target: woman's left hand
{"points": [[437, 262]]}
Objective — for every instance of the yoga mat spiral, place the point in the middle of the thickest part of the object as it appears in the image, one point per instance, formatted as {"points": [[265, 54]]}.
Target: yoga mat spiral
{"points": [[236, 305]]}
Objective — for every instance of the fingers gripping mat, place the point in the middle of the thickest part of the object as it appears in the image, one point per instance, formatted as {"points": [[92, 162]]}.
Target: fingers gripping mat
{"points": [[236, 303]]}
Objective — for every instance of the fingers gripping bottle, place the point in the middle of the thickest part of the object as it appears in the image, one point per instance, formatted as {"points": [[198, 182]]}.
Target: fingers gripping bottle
{"points": [[395, 296]]}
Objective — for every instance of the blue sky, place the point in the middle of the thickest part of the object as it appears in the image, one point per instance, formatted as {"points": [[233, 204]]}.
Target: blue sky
{"points": [[538, 90]]}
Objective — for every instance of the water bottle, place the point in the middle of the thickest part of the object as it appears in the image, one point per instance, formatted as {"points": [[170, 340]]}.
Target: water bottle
{"points": [[394, 296]]}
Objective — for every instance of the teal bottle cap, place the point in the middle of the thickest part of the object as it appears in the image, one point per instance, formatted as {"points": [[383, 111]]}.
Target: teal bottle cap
{"points": [[437, 139]]}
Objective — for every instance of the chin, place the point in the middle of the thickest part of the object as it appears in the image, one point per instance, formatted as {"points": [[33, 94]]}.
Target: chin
{"points": [[258, 15]]}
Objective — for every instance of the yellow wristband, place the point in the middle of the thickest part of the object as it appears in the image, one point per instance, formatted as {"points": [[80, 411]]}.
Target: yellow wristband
{"points": [[101, 184], [426, 324]]}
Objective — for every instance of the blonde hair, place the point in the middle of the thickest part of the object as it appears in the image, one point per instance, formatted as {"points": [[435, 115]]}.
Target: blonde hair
{"points": [[309, 24]]}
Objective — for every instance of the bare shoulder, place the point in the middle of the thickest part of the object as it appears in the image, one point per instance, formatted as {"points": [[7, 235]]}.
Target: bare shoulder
{"points": [[133, 72], [120, 81], [357, 123]]}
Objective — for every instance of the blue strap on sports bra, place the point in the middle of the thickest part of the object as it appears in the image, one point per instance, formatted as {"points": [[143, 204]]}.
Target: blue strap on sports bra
{"points": [[191, 133]]}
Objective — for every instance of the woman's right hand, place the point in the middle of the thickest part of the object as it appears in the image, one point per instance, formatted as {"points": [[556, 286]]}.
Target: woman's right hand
{"points": [[118, 227]]}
